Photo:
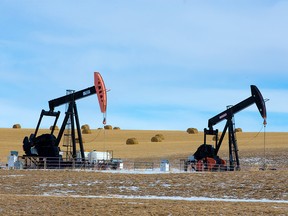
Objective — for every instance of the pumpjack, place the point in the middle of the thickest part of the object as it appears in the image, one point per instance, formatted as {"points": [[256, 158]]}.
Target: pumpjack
{"points": [[47, 145], [206, 156]]}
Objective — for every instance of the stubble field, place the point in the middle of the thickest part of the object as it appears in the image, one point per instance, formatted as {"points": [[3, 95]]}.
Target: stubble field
{"points": [[129, 192]]}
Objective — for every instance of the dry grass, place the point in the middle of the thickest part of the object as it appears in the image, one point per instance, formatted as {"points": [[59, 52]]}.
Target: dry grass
{"points": [[56, 206], [178, 144]]}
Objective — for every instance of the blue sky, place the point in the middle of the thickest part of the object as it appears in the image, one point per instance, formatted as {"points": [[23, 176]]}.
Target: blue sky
{"points": [[169, 64]]}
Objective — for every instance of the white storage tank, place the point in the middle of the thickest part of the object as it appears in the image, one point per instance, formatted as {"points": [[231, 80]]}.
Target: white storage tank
{"points": [[12, 158], [94, 156]]}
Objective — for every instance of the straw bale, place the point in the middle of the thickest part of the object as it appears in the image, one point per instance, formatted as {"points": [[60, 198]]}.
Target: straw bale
{"points": [[192, 130], [56, 127], [16, 126], [116, 128], [108, 127], [238, 130], [86, 131], [161, 136], [156, 139], [85, 126], [131, 141]]}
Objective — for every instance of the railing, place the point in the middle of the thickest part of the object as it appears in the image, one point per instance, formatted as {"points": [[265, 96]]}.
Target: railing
{"points": [[143, 166], [34, 162], [194, 166]]}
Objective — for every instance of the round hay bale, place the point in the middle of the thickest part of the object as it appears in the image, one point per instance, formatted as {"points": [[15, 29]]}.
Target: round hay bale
{"points": [[156, 139], [86, 131], [161, 136], [99, 128], [56, 127], [108, 127], [116, 128], [192, 131], [131, 141], [16, 126], [85, 126], [238, 130]]}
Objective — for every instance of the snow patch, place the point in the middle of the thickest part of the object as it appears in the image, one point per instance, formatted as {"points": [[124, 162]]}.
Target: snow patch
{"points": [[7, 176], [176, 198]]}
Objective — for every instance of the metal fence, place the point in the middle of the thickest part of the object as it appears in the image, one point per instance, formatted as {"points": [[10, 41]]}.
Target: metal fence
{"points": [[34, 162], [180, 165]]}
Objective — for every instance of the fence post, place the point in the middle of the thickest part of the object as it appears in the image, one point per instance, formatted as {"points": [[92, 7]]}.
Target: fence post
{"points": [[45, 163]]}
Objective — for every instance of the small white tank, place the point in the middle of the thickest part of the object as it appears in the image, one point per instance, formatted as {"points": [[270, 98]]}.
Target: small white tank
{"points": [[94, 156], [164, 166]]}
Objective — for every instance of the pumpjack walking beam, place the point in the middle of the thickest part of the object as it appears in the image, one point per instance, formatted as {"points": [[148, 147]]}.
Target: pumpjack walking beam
{"points": [[60, 101], [228, 114], [71, 97]]}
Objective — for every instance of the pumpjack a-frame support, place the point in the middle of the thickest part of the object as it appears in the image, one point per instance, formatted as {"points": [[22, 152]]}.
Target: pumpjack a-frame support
{"points": [[72, 114], [228, 114]]}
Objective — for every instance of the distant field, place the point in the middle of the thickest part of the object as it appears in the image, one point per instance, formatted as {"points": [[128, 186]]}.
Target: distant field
{"points": [[176, 145]]}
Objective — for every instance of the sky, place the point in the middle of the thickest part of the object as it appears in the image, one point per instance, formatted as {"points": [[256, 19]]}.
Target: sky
{"points": [[168, 64]]}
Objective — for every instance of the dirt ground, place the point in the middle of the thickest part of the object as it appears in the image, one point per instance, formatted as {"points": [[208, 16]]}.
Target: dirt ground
{"points": [[34, 192], [76, 192]]}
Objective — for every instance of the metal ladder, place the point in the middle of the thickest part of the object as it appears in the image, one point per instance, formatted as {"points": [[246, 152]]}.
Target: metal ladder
{"points": [[67, 142]]}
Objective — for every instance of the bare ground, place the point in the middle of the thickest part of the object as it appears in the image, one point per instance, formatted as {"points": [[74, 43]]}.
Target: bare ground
{"points": [[57, 192]]}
